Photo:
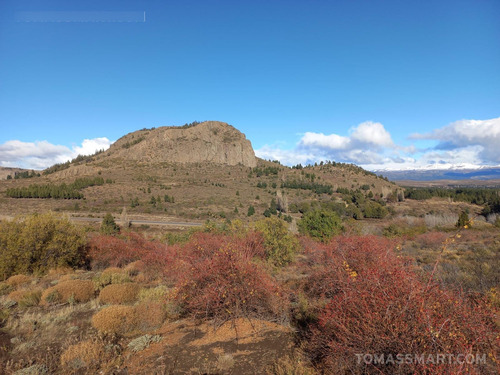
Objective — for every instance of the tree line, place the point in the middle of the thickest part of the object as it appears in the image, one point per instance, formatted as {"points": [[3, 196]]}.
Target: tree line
{"points": [[60, 191]]}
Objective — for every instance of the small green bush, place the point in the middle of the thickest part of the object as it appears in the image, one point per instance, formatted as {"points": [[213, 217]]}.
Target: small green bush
{"points": [[463, 220], [280, 245], [320, 224], [39, 242], [109, 226]]}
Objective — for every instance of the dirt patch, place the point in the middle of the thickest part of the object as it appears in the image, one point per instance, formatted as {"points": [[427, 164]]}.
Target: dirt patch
{"points": [[243, 346]]}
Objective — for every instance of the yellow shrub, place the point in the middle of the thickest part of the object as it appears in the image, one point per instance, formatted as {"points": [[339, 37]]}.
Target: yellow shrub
{"points": [[151, 315], [82, 355], [26, 297], [17, 280], [119, 293], [116, 319], [69, 291]]}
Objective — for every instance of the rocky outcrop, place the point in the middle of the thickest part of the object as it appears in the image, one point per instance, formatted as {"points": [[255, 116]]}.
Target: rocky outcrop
{"points": [[210, 141]]}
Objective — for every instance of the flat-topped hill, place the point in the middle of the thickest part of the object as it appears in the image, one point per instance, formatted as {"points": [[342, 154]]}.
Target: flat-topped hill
{"points": [[210, 141]]}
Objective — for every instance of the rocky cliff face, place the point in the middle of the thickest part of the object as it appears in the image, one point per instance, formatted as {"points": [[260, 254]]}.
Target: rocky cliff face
{"points": [[210, 141]]}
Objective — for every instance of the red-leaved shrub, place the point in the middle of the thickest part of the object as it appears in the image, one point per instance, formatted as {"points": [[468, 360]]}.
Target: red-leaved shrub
{"points": [[376, 304], [118, 251], [221, 281]]}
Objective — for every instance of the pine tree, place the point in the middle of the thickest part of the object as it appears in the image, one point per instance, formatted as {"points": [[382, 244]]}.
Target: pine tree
{"points": [[109, 226]]}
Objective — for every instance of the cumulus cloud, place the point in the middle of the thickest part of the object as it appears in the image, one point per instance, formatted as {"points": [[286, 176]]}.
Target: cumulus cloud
{"points": [[482, 134], [366, 136], [90, 146], [365, 144], [462, 144], [372, 134], [321, 141], [43, 154]]}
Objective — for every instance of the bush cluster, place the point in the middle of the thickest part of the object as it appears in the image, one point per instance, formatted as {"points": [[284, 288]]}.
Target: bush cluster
{"points": [[375, 302], [227, 285], [37, 243]]}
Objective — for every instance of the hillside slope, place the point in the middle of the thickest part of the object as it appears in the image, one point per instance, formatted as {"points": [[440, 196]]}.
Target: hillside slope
{"points": [[208, 170]]}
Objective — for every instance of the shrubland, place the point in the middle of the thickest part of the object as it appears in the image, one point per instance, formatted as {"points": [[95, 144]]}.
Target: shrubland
{"points": [[343, 295]]}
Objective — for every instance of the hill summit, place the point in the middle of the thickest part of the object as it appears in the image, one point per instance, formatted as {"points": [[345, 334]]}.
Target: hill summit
{"points": [[209, 141]]}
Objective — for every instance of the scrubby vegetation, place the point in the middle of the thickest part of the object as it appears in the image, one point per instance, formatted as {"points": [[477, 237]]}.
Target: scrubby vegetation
{"points": [[328, 295], [487, 197], [37, 243]]}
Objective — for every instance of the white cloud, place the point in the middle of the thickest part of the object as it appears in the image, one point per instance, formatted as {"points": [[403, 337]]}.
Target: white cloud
{"points": [[466, 133], [319, 140], [462, 144], [362, 146], [90, 146], [372, 133], [42, 154]]}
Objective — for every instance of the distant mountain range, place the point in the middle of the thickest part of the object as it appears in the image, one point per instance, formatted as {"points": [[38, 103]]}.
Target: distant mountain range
{"points": [[480, 174]]}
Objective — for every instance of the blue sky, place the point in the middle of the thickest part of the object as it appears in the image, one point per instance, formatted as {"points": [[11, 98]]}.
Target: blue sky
{"points": [[383, 84]]}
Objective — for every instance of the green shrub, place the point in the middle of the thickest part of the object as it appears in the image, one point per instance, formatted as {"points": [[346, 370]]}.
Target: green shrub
{"points": [[280, 245], [320, 224], [374, 210], [109, 226], [39, 242], [463, 220]]}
